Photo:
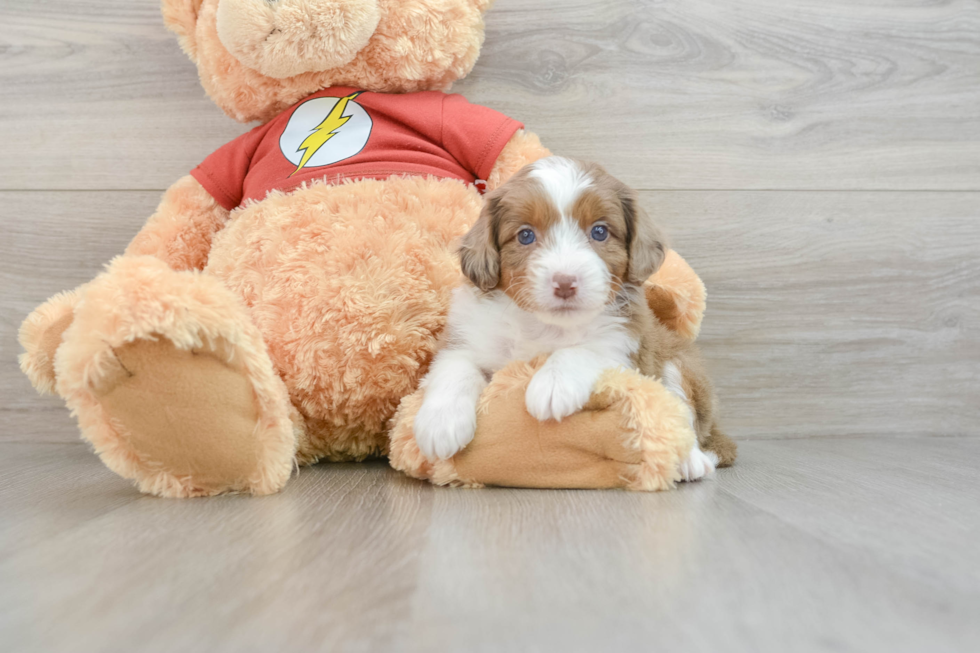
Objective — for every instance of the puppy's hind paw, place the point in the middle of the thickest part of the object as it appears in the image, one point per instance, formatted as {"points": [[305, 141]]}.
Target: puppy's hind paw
{"points": [[698, 465]]}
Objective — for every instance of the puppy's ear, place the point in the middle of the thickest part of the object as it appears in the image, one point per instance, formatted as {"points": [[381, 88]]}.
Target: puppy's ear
{"points": [[479, 255], [644, 239]]}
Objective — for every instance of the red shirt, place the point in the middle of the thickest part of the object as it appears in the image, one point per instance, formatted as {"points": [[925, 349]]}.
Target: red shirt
{"points": [[340, 133]]}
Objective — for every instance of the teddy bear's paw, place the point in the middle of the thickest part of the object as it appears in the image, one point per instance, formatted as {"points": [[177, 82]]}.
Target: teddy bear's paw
{"points": [[556, 394], [698, 464], [186, 414], [443, 427], [172, 383]]}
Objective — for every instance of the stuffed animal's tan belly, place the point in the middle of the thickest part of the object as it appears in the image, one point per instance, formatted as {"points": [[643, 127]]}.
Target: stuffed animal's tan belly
{"points": [[349, 286]]}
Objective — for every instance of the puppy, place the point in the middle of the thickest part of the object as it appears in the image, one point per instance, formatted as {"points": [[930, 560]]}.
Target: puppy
{"points": [[556, 262]]}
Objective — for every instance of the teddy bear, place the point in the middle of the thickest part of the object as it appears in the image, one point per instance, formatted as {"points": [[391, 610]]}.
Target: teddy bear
{"points": [[287, 295]]}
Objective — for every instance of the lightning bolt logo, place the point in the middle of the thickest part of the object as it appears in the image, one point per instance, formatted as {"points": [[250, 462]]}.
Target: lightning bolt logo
{"points": [[324, 131]]}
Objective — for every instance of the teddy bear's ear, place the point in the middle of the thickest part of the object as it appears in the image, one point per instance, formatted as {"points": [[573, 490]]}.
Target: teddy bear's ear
{"points": [[180, 16]]}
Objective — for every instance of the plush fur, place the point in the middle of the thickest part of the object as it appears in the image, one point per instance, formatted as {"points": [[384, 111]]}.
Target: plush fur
{"points": [[367, 269], [180, 232], [677, 296], [291, 37], [224, 348], [41, 334]]}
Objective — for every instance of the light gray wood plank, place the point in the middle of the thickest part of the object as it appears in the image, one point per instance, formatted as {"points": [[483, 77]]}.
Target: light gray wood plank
{"points": [[860, 494], [837, 313], [98, 95], [829, 314], [763, 94], [803, 546], [701, 568], [294, 560], [49, 489], [676, 94]]}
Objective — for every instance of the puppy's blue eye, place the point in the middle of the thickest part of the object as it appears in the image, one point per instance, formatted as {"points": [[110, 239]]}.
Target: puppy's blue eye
{"points": [[525, 236], [600, 232]]}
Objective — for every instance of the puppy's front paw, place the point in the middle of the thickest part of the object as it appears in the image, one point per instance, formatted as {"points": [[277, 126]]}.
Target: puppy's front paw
{"points": [[698, 464], [443, 428], [553, 394]]}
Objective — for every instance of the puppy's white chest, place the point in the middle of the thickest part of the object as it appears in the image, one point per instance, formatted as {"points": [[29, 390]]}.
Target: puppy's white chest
{"points": [[496, 331], [529, 343]]}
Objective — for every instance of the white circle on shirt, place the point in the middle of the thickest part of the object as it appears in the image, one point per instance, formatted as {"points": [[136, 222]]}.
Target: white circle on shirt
{"points": [[307, 122]]}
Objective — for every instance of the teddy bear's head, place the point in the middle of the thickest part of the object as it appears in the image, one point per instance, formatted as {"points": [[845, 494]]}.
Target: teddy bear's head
{"points": [[258, 57]]}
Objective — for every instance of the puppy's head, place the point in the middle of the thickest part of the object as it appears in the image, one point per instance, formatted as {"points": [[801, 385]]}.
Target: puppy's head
{"points": [[561, 238]]}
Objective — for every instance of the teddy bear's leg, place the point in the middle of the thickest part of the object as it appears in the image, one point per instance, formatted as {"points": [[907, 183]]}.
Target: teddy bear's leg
{"points": [[677, 296], [172, 384]]}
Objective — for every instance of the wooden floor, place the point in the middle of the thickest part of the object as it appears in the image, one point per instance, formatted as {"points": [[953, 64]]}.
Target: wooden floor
{"points": [[809, 544], [817, 161]]}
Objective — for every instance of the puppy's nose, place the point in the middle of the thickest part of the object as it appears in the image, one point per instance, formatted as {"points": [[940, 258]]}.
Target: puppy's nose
{"points": [[565, 285]]}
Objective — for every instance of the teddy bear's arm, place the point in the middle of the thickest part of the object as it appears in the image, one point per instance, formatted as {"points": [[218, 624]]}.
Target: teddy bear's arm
{"points": [[523, 148], [180, 231], [677, 296]]}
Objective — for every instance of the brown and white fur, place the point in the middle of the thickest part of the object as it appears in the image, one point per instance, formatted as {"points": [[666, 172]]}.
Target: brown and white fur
{"points": [[557, 261]]}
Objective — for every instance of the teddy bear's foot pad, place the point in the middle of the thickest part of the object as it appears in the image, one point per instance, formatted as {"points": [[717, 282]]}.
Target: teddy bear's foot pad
{"points": [[186, 412]]}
